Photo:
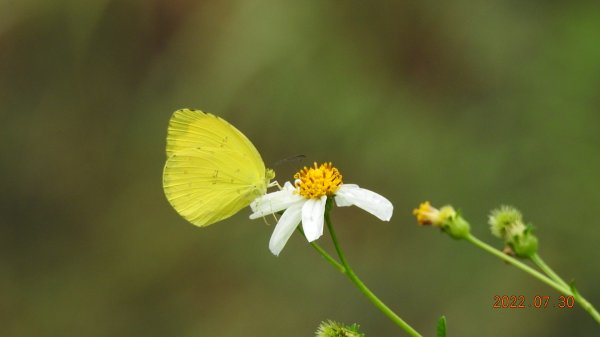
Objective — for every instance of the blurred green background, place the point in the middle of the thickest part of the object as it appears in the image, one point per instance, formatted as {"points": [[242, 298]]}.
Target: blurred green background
{"points": [[476, 104]]}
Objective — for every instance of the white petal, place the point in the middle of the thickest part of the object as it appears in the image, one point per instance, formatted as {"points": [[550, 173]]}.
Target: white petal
{"points": [[350, 194], [285, 191], [313, 212], [275, 201], [340, 198], [285, 228]]}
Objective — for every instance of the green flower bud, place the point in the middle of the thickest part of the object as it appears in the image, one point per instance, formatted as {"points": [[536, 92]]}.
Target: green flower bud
{"points": [[524, 244], [503, 217], [457, 227], [335, 329], [506, 223], [445, 218]]}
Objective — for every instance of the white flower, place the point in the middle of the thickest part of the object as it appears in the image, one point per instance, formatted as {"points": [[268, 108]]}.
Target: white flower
{"points": [[306, 202]]}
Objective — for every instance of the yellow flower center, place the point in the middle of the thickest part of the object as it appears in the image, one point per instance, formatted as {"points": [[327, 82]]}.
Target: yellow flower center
{"points": [[425, 213], [315, 182], [429, 215]]}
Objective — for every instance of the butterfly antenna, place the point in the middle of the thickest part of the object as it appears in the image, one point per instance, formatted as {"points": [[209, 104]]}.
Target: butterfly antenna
{"points": [[290, 159]]}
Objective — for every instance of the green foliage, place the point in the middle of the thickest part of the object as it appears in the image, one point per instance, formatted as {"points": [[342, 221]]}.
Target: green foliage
{"points": [[441, 327]]}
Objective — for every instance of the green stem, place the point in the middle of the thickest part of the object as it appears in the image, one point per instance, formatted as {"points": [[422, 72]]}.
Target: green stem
{"points": [[325, 255], [559, 287], [363, 288], [546, 269], [587, 306], [556, 282]]}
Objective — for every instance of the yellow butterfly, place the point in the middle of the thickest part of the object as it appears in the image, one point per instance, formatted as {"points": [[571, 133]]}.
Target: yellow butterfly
{"points": [[212, 169]]}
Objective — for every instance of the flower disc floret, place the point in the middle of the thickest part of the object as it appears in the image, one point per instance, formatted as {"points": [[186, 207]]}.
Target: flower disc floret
{"points": [[507, 223], [318, 181], [445, 218], [506, 219], [429, 215]]}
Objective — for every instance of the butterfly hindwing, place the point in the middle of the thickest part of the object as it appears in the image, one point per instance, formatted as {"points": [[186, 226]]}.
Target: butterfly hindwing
{"points": [[208, 185]]}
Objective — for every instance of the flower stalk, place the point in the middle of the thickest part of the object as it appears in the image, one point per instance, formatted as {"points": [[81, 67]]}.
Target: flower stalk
{"points": [[511, 260], [579, 299], [552, 280], [507, 224], [347, 270], [546, 269]]}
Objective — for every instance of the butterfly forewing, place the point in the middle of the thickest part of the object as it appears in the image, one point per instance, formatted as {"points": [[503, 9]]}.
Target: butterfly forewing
{"points": [[196, 129]]}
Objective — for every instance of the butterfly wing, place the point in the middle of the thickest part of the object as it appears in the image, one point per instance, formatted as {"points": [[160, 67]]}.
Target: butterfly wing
{"points": [[211, 184], [195, 129], [212, 170]]}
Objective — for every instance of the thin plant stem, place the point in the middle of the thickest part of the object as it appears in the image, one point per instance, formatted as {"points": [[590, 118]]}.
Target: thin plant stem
{"points": [[363, 288], [325, 255], [587, 306], [554, 281], [559, 287], [328, 257], [546, 269]]}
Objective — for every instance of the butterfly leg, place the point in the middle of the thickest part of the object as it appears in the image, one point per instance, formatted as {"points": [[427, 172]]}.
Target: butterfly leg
{"points": [[275, 183], [267, 222]]}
